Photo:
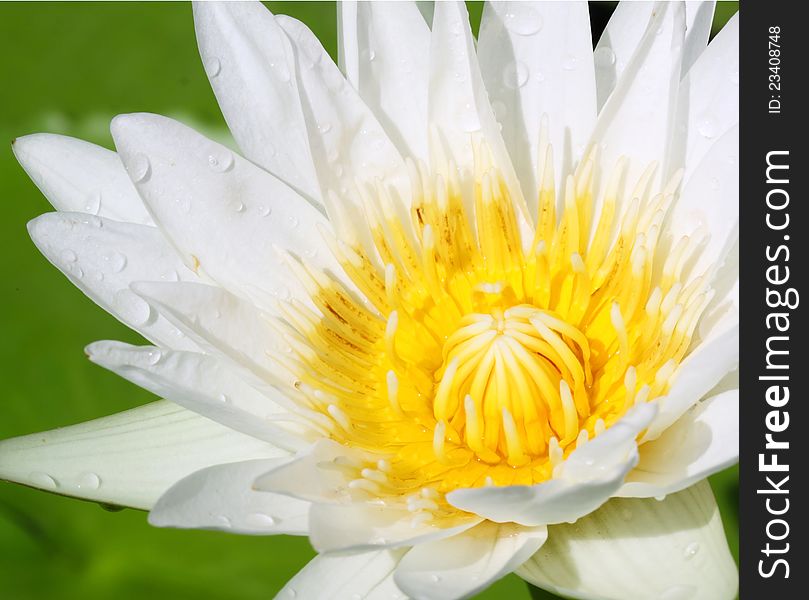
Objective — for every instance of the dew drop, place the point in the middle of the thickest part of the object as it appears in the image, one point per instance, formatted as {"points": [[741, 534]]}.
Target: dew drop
{"points": [[99, 276], [678, 592], [183, 203], [43, 480], [604, 57], [293, 222], [220, 160], [171, 275], [715, 183], [78, 272], [707, 127], [212, 66], [691, 550], [238, 207], [292, 593], [139, 168], [92, 203], [435, 578], [223, 521], [264, 211], [223, 398], [116, 261], [525, 22], [500, 110], [569, 63], [68, 256], [153, 356], [89, 481], [261, 520], [324, 127], [515, 75]]}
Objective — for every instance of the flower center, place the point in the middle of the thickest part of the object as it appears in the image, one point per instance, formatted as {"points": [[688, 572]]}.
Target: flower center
{"points": [[477, 345], [510, 381]]}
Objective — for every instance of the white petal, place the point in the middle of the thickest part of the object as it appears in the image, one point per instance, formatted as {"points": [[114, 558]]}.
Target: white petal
{"points": [[348, 143], [459, 110], [224, 214], [222, 497], [127, 459], [709, 203], [638, 119], [465, 564], [703, 441], [701, 370], [698, 21], [386, 52], [77, 176], [537, 59], [198, 382], [625, 30], [587, 479], [313, 475], [640, 548], [366, 575], [250, 65], [103, 257], [217, 320], [708, 104], [365, 525]]}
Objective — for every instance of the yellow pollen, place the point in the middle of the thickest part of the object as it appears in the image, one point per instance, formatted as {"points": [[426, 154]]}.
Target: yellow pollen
{"points": [[479, 355]]}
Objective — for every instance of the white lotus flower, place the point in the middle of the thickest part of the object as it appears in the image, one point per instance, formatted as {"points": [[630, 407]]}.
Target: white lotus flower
{"points": [[462, 308]]}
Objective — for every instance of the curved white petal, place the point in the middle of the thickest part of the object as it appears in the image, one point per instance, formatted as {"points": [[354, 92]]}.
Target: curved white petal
{"points": [[640, 548], [77, 176], [222, 497], [587, 479], [250, 65], [637, 121], [385, 53], [366, 575], [703, 441], [701, 370], [460, 114], [462, 565], [226, 216], [625, 29], [217, 320], [363, 525], [103, 257], [537, 59], [709, 204], [708, 104], [127, 459], [313, 474], [348, 143], [201, 383]]}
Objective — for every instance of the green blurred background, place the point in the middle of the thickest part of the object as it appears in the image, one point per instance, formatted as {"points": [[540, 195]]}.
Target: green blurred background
{"points": [[68, 68]]}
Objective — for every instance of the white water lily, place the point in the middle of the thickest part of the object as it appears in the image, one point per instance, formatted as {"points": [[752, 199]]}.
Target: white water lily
{"points": [[460, 309]]}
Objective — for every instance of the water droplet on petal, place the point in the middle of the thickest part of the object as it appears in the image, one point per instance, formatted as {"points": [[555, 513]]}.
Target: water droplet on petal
{"points": [[691, 550], [89, 481], [261, 520], [139, 168], [223, 398], [569, 63], [715, 183], [293, 222], [223, 521], [292, 593], [116, 261], [78, 272], [171, 275], [68, 256], [526, 21], [264, 211], [153, 356], [500, 110], [707, 127], [220, 160], [515, 75], [92, 203], [238, 206], [604, 57], [435, 578], [43, 480], [212, 66]]}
